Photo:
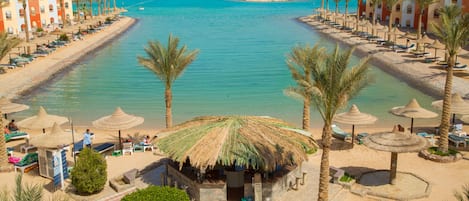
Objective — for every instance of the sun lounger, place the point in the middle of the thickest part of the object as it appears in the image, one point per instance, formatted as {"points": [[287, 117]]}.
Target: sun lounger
{"points": [[340, 134], [429, 137], [361, 136], [15, 135], [27, 163], [127, 148], [78, 146], [143, 147], [402, 48], [457, 140]]}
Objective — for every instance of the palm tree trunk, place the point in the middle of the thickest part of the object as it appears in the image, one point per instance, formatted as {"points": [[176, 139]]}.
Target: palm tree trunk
{"points": [[358, 16], [3, 150], [78, 10], [373, 21], [445, 115], [62, 7], [306, 114], [324, 171], [346, 13], [115, 8], [390, 23], [168, 98], [322, 6], [99, 8], [26, 24], [419, 29], [91, 9]]}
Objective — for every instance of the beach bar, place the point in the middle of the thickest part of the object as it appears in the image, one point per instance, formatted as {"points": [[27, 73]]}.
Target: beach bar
{"points": [[235, 157]]}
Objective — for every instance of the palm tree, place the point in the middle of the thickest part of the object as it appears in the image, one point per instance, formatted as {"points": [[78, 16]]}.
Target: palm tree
{"points": [[62, 7], [346, 12], [91, 9], [3, 149], [300, 62], [454, 33], [390, 4], [464, 195], [336, 7], [333, 84], [373, 21], [167, 64], [422, 5], [6, 44], [77, 2]]}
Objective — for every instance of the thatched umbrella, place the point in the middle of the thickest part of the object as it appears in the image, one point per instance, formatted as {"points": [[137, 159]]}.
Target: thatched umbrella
{"points": [[437, 45], [8, 107], [424, 40], [395, 142], [413, 110], [465, 119], [42, 120], [117, 121], [250, 141], [354, 117], [55, 138], [458, 105]]}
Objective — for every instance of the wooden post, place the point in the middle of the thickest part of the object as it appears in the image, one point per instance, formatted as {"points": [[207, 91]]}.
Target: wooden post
{"points": [[393, 171], [257, 187]]}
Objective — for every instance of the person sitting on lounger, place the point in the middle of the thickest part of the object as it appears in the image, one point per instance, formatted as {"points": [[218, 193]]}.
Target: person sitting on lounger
{"points": [[12, 126], [6, 130], [87, 138]]}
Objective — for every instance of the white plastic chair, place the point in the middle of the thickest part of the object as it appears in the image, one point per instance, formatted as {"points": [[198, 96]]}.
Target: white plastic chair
{"points": [[127, 148]]}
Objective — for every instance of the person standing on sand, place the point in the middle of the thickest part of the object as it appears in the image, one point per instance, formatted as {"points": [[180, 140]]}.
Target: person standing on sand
{"points": [[87, 138]]}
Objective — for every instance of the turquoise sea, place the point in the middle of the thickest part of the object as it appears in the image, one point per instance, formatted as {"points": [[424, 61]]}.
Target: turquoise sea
{"points": [[240, 69]]}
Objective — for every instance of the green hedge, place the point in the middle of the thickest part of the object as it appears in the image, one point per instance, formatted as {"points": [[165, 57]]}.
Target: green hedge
{"points": [[157, 193]]}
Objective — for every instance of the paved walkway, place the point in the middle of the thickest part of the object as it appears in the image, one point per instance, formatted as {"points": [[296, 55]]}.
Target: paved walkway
{"points": [[428, 77]]}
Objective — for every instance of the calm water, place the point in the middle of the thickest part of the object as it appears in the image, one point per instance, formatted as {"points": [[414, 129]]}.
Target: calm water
{"points": [[240, 69]]}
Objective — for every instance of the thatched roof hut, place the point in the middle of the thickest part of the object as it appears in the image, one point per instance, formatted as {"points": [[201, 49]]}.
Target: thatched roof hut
{"points": [[250, 141]]}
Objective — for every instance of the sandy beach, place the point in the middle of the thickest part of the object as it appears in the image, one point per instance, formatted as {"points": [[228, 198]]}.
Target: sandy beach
{"points": [[444, 178], [427, 77], [42, 69]]}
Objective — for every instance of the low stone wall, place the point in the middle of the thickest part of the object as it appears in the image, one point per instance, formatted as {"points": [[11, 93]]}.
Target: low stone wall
{"points": [[280, 185], [200, 192]]}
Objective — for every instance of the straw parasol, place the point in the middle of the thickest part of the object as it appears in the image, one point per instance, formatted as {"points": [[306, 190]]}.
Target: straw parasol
{"points": [[42, 120], [465, 119], [437, 45], [55, 138], [458, 105], [424, 40], [8, 107], [395, 142], [354, 117], [117, 121], [250, 141], [413, 110]]}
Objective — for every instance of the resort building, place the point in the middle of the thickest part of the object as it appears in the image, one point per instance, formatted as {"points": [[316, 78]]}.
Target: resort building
{"points": [[406, 12], [46, 14]]}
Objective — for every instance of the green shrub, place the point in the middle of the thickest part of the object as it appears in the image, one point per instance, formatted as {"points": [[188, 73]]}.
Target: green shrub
{"points": [[39, 29], [157, 193], [434, 150], [89, 174], [346, 178], [64, 37]]}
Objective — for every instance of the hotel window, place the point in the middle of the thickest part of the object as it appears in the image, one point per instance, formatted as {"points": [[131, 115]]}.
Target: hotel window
{"points": [[371, 4], [21, 12], [398, 7], [10, 30], [454, 1], [33, 11], [407, 23], [379, 6], [409, 9], [436, 14], [8, 15], [43, 9], [66, 4], [51, 7]]}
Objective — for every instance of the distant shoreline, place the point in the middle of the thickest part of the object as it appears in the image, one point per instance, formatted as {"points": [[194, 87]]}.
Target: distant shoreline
{"points": [[46, 69]]}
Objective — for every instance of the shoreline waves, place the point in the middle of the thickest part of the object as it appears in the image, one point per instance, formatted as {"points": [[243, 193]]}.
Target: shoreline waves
{"points": [[43, 70], [422, 76]]}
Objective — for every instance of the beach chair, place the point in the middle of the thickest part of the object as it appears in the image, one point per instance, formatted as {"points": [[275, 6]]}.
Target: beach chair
{"points": [[361, 136], [127, 148], [143, 147], [16, 135], [26, 147], [338, 133], [104, 147], [456, 140], [429, 137], [27, 163]]}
